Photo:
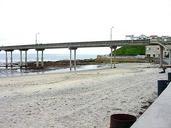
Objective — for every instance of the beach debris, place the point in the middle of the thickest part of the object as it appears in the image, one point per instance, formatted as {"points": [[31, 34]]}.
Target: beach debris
{"points": [[164, 70]]}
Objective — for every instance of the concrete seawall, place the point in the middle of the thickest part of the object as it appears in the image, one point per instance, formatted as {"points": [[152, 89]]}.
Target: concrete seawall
{"points": [[158, 115]]}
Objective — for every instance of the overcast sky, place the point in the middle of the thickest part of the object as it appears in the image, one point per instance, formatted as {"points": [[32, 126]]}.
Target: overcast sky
{"points": [[81, 20]]}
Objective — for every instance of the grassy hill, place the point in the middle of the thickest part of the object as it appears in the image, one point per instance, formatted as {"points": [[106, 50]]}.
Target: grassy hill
{"points": [[130, 50]]}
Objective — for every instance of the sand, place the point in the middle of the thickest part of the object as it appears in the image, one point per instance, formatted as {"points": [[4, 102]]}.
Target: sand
{"points": [[83, 99]]}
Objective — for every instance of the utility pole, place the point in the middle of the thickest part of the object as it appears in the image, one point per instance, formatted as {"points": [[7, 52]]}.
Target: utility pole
{"points": [[111, 54], [36, 41], [111, 32]]}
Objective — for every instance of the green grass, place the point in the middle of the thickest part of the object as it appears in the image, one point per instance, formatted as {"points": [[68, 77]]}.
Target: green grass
{"points": [[129, 50]]}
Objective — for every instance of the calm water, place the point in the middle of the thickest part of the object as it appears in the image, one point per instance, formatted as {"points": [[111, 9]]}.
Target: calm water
{"points": [[47, 57]]}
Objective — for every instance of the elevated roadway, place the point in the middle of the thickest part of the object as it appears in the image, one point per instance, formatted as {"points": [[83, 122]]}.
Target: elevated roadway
{"points": [[77, 44]]}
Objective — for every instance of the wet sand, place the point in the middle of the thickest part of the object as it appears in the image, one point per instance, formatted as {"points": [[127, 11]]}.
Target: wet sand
{"points": [[84, 99]]}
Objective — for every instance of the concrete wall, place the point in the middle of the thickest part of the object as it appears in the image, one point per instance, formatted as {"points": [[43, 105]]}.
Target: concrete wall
{"points": [[158, 115]]}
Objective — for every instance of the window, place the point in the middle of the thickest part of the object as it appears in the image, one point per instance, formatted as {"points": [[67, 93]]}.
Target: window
{"points": [[148, 48], [148, 55]]}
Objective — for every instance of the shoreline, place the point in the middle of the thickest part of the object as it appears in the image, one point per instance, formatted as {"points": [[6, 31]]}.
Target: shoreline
{"points": [[100, 62], [100, 59], [59, 70]]}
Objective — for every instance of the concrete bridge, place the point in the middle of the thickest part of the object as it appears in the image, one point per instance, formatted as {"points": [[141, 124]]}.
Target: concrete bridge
{"points": [[74, 46]]}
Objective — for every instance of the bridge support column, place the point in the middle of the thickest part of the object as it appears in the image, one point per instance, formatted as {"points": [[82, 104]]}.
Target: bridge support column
{"points": [[26, 58], [37, 62], [11, 59], [21, 57], [75, 59], [161, 56], [22, 64], [70, 61], [111, 56], [6, 58], [42, 62], [115, 56], [42, 58]]}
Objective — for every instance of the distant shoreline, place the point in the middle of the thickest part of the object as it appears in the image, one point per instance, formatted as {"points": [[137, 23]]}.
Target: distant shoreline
{"points": [[61, 63], [101, 59]]}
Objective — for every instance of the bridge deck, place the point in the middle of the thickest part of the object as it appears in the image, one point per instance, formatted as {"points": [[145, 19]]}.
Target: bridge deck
{"points": [[77, 44]]}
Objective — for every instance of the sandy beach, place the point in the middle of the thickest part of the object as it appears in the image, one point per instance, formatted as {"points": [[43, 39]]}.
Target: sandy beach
{"points": [[84, 99]]}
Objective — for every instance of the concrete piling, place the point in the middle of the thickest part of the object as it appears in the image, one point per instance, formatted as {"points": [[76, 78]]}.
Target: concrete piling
{"points": [[75, 64], [21, 56], [111, 56], [6, 58], [70, 60], [25, 58], [37, 60], [11, 59], [42, 62], [23, 64], [75, 58], [42, 58]]}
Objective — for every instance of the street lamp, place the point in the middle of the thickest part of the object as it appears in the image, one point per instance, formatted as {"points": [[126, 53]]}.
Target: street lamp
{"points": [[111, 54], [111, 30], [36, 41]]}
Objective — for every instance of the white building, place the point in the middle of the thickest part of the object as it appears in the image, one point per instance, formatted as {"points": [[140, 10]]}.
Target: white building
{"points": [[154, 51]]}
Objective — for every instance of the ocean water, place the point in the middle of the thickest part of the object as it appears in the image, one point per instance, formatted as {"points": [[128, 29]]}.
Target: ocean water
{"points": [[15, 71], [18, 72], [47, 57]]}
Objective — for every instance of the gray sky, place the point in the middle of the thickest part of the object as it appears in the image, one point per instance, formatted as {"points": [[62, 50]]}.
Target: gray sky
{"points": [[81, 20]]}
